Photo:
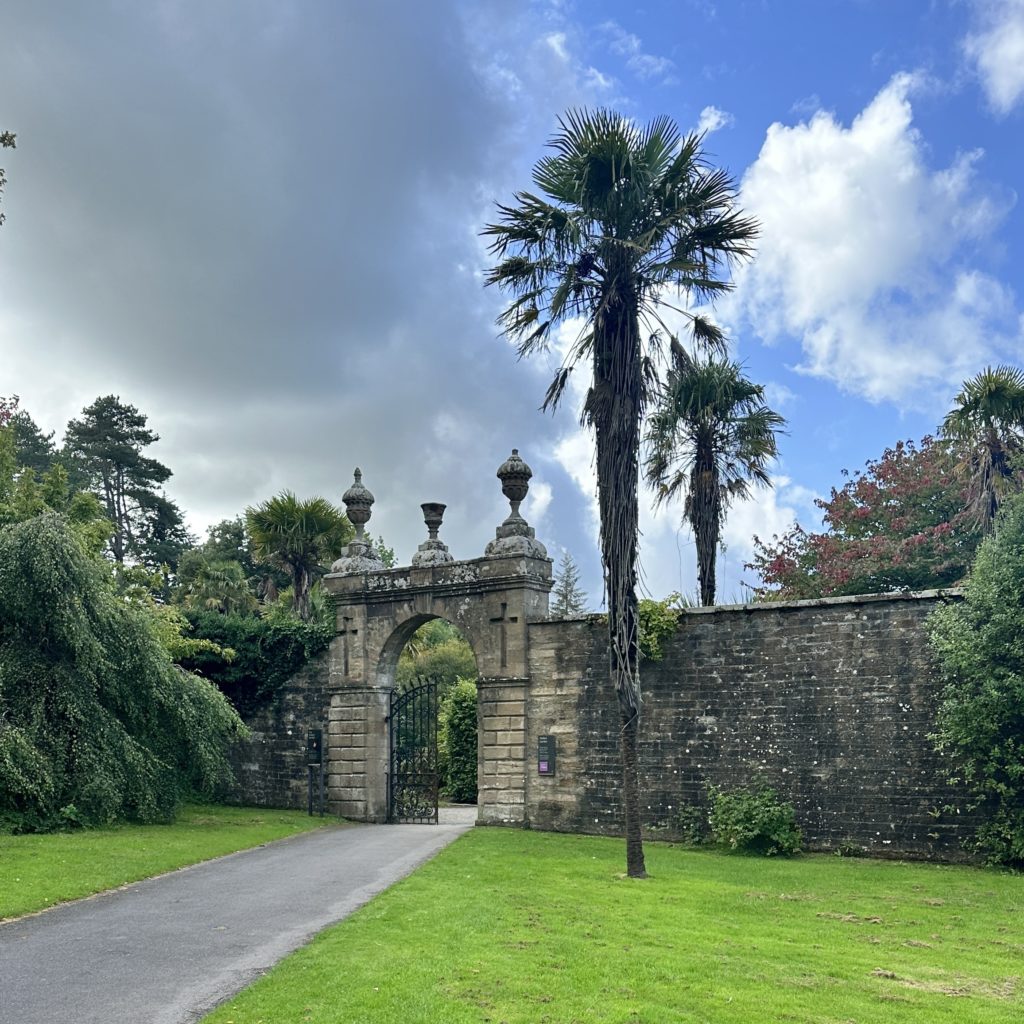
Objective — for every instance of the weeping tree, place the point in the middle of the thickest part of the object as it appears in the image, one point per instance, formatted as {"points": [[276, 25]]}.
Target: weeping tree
{"points": [[710, 438], [97, 724], [628, 225], [988, 422], [299, 536]]}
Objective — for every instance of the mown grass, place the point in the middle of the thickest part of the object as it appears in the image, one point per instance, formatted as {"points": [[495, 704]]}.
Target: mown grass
{"points": [[516, 927], [39, 871]]}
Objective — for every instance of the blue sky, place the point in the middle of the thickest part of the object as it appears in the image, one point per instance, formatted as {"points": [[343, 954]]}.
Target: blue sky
{"points": [[259, 223]]}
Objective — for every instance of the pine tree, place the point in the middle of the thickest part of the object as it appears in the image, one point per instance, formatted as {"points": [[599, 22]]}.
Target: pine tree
{"points": [[567, 599], [104, 450]]}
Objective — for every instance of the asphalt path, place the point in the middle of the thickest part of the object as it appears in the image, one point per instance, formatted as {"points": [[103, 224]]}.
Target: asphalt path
{"points": [[169, 949]]}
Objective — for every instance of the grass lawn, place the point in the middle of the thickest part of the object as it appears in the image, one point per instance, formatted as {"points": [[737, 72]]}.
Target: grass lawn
{"points": [[527, 928], [37, 871]]}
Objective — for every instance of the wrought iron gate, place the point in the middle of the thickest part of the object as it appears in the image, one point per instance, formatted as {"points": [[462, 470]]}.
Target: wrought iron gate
{"points": [[413, 778]]}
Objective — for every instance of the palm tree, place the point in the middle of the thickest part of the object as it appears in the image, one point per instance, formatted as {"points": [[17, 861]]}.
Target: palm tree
{"points": [[624, 216], [298, 536], [988, 419], [218, 586], [710, 438]]}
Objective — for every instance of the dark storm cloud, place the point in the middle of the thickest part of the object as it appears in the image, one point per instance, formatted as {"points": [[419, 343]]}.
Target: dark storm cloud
{"points": [[258, 222]]}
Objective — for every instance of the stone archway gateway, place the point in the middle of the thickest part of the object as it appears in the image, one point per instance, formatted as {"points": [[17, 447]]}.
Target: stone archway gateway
{"points": [[490, 599]]}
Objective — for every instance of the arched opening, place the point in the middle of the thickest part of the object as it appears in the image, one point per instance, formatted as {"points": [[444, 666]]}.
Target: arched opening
{"points": [[430, 669]]}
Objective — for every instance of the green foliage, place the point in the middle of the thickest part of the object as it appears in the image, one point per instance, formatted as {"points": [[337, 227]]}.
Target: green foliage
{"points": [[437, 651], [628, 224], [96, 722], [659, 621], [901, 524], [384, 553], [567, 599], [457, 741], [979, 645], [754, 821], [104, 450], [33, 449], [711, 437], [301, 537], [267, 652], [988, 422], [213, 585], [692, 824]]}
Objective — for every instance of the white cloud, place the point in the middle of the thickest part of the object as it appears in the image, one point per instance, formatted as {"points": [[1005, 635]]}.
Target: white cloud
{"points": [[643, 65], [997, 52], [863, 255], [778, 396], [711, 119]]}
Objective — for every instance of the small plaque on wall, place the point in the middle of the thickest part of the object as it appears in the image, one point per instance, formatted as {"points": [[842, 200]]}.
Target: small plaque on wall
{"points": [[545, 755]]}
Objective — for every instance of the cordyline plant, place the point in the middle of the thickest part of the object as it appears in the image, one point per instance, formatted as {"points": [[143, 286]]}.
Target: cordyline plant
{"points": [[629, 223]]}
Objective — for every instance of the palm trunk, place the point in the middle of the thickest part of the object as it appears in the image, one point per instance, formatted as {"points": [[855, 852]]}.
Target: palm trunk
{"points": [[613, 407], [705, 513]]}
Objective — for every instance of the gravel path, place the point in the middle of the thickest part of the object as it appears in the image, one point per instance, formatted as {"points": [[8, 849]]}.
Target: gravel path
{"points": [[167, 950]]}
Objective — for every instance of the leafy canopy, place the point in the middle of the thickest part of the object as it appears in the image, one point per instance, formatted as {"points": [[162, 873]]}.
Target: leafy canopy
{"points": [[988, 422], [710, 438], [624, 216], [104, 449], [979, 645], [97, 723], [900, 524], [301, 537]]}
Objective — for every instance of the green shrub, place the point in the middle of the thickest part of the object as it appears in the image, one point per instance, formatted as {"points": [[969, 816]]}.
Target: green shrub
{"points": [[692, 824], [457, 727], [97, 724], [979, 644], [267, 653], [658, 621], [754, 821]]}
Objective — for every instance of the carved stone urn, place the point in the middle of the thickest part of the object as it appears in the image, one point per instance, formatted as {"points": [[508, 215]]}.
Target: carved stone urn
{"points": [[359, 554], [514, 536], [432, 551]]}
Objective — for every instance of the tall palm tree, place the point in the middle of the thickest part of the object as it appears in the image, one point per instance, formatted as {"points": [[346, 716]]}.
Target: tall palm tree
{"points": [[988, 420], [628, 222], [300, 537], [710, 438]]}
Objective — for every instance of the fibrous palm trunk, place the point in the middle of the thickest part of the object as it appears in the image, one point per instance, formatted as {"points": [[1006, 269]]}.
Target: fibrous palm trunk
{"points": [[705, 515], [614, 409]]}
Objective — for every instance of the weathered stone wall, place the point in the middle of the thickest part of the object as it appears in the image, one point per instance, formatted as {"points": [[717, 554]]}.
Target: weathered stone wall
{"points": [[829, 702], [270, 767]]}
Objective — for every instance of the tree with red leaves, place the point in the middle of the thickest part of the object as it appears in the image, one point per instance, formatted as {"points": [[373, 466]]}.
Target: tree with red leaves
{"points": [[901, 524]]}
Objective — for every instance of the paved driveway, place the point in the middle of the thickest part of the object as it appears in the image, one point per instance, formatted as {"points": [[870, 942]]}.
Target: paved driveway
{"points": [[167, 950]]}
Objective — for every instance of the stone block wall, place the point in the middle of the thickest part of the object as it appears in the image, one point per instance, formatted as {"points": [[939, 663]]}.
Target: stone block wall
{"points": [[501, 754], [829, 702], [357, 753], [270, 767]]}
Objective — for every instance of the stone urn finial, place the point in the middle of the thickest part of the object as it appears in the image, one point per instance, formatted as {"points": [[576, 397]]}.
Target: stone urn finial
{"points": [[515, 536], [432, 551], [514, 475], [358, 503], [359, 554]]}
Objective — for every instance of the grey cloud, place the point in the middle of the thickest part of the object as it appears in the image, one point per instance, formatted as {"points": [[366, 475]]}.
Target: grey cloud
{"points": [[258, 223]]}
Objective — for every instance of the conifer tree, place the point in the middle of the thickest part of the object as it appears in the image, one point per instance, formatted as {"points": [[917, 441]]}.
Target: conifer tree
{"points": [[567, 599]]}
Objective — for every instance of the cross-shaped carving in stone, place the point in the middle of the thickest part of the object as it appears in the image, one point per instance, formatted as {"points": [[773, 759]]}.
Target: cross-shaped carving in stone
{"points": [[502, 620], [345, 632]]}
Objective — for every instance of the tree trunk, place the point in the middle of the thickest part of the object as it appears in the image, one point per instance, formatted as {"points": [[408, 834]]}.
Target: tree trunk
{"points": [[614, 409], [635, 866], [705, 512]]}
